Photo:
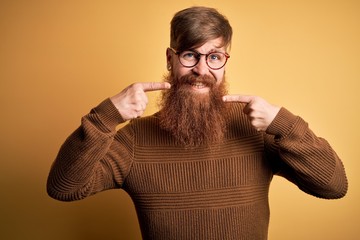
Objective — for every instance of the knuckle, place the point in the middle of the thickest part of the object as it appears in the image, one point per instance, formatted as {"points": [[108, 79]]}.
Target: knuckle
{"points": [[135, 85], [152, 86]]}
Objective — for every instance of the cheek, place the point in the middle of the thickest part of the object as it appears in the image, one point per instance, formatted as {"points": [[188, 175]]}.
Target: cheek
{"points": [[179, 71], [219, 75]]}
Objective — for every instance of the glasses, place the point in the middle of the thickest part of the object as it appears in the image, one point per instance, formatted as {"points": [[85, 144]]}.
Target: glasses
{"points": [[214, 60]]}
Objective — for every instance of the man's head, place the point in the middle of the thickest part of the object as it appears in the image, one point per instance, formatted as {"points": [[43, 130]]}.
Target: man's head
{"points": [[204, 30], [193, 110]]}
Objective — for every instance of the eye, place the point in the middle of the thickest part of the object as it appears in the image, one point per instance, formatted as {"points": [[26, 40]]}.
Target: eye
{"points": [[214, 57], [189, 55]]}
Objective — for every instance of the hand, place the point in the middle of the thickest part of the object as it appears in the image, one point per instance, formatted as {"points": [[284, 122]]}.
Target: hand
{"points": [[260, 112], [131, 102]]}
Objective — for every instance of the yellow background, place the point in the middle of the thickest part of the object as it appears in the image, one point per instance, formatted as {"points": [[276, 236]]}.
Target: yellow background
{"points": [[58, 59]]}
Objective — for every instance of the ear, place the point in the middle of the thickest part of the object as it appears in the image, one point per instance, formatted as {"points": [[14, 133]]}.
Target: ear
{"points": [[169, 55]]}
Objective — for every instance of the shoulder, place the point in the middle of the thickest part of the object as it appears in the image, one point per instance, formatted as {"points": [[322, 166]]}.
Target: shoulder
{"points": [[144, 130], [147, 122]]}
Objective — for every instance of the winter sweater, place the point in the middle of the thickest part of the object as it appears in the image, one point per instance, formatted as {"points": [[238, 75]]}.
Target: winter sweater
{"points": [[208, 192]]}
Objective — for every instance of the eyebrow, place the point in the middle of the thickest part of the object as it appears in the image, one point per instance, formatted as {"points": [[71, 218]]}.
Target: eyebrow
{"points": [[211, 50]]}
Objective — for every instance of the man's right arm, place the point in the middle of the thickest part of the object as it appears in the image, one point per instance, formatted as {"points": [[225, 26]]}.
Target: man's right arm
{"points": [[84, 164], [91, 160]]}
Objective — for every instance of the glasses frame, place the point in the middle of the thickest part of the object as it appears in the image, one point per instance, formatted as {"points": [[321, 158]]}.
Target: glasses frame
{"points": [[178, 53]]}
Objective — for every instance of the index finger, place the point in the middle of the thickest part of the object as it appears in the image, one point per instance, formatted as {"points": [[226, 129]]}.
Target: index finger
{"points": [[155, 86], [238, 98]]}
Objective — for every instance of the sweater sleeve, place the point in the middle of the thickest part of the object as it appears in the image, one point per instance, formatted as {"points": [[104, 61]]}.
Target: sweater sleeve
{"points": [[91, 159], [303, 158]]}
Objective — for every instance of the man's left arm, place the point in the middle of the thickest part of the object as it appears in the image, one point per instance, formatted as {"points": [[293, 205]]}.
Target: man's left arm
{"points": [[294, 151], [303, 158]]}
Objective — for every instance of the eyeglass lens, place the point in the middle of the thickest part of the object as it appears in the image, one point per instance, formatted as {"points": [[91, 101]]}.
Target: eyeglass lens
{"points": [[214, 60]]}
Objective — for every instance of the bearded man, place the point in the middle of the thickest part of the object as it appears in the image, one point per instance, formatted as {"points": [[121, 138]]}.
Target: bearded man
{"points": [[201, 167]]}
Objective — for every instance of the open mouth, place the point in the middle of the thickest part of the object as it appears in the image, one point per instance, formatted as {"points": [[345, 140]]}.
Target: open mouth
{"points": [[198, 85]]}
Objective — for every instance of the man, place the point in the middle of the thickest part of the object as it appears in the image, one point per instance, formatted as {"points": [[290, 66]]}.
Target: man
{"points": [[201, 167]]}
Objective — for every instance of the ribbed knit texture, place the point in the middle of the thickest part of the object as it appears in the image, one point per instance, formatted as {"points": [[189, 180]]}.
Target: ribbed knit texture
{"points": [[213, 192]]}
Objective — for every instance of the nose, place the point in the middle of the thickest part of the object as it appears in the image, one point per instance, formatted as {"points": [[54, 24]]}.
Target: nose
{"points": [[201, 68]]}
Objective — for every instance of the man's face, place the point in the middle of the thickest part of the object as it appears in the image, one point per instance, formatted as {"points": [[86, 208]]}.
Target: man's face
{"points": [[193, 109], [201, 68]]}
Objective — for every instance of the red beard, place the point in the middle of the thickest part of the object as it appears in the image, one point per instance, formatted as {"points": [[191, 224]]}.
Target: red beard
{"points": [[194, 119]]}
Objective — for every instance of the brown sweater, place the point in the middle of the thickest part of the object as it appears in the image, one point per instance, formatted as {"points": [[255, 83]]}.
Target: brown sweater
{"points": [[214, 192]]}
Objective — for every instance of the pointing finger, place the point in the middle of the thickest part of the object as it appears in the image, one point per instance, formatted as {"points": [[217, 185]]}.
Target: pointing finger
{"points": [[238, 98], [155, 86]]}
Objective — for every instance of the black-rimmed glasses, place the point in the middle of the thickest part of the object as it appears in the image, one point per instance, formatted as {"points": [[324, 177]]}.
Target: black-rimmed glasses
{"points": [[214, 60]]}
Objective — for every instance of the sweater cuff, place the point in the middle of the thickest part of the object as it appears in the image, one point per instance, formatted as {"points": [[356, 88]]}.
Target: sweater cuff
{"points": [[282, 124], [107, 114]]}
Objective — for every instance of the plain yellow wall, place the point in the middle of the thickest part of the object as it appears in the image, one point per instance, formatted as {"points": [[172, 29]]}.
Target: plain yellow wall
{"points": [[58, 59]]}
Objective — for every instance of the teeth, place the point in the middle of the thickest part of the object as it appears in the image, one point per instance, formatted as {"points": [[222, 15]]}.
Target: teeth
{"points": [[198, 84]]}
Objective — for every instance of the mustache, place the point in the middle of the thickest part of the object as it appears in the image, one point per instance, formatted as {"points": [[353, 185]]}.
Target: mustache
{"points": [[191, 78]]}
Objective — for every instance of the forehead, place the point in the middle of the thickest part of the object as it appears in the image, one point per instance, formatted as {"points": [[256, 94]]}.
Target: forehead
{"points": [[211, 45]]}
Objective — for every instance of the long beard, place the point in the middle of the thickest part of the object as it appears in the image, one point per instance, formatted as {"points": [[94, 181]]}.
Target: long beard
{"points": [[194, 119]]}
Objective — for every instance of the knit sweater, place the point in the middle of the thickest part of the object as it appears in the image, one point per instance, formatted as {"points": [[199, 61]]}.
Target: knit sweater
{"points": [[208, 192]]}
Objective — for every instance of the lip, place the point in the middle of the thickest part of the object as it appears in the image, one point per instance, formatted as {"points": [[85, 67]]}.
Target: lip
{"points": [[199, 87]]}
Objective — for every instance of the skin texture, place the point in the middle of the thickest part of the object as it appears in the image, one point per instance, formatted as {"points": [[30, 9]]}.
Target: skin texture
{"points": [[200, 69]]}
